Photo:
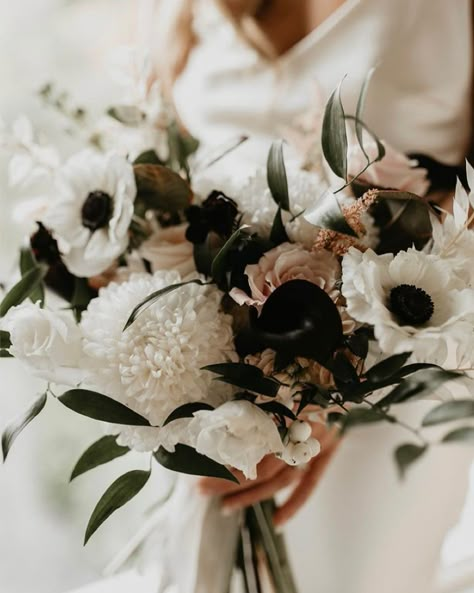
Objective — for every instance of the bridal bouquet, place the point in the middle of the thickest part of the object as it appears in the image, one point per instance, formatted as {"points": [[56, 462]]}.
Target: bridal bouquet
{"points": [[210, 327]]}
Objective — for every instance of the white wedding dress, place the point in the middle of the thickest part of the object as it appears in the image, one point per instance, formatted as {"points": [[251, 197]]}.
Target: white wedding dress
{"points": [[363, 531]]}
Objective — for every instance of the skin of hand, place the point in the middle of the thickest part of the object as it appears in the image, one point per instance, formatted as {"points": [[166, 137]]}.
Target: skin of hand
{"points": [[273, 476]]}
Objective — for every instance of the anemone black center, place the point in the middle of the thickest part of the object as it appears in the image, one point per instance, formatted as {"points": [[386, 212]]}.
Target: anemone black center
{"points": [[97, 210], [410, 304]]}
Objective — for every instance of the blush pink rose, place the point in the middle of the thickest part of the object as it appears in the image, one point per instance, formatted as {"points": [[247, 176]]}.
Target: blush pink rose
{"points": [[168, 249], [284, 263], [394, 171]]}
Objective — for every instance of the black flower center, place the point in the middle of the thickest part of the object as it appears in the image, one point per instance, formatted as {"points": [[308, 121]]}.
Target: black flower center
{"points": [[410, 304], [97, 210]]}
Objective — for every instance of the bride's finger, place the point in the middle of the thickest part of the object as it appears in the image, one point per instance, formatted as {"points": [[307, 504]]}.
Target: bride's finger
{"points": [[261, 491], [303, 490]]}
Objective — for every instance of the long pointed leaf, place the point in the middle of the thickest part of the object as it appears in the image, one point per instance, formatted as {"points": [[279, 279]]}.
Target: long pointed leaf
{"points": [[23, 289], [116, 496], [276, 176], [102, 451], [449, 411], [12, 431], [101, 407], [334, 135]]}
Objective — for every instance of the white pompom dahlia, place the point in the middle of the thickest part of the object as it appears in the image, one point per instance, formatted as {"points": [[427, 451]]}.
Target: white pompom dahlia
{"points": [[154, 366]]}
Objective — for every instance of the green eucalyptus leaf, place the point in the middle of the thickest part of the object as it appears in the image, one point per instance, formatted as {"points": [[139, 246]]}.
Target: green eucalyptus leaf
{"points": [[359, 129], [102, 451], [187, 411], [160, 188], [387, 367], [418, 385], [244, 376], [81, 297], [358, 343], [343, 370], [23, 289], [5, 341], [101, 407], [221, 261], [278, 233], [360, 417], [155, 296], [406, 455], [28, 262], [128, 115], [276, 176], [334, 135], [278, 409], [15, 427], [187, 460], [116, 496], [464, 434], [449, 411]]}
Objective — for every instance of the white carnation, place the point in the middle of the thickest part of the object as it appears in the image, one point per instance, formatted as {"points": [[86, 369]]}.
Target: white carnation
{"points": [[49, 343], [91, 215], [154, 366], [414, 301]]}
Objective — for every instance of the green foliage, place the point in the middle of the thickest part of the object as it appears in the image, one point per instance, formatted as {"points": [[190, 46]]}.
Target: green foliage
{"points": [[15, 427], [221, 264], [187, 460], [186, 411], [155, 296], [387, 367], [245, 376], [101, 407], [102, 451], [360, 416], [27, 263], [420, 384], [334, 136], [5, 344], [148, 157], [116, 496], [449, 411], [81, 297], [406, 455], [23, 289], [276, 176], [464, 434]]}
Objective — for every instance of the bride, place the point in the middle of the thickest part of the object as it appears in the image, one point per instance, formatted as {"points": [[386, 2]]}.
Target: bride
{"points": [[251, 66], [236, 67]]}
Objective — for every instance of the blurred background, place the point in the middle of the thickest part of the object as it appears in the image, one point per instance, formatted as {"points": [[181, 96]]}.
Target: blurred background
{"points": [[42, 517]]}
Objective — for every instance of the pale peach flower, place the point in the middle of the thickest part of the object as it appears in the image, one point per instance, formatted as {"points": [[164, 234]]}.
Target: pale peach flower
{"points": [[284, 263], [168, 249]]}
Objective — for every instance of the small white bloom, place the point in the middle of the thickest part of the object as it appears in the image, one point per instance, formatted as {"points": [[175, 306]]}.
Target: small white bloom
{"points": [[155, 365], [48, 343], [237, 433], [414, 301], [91, 215]]}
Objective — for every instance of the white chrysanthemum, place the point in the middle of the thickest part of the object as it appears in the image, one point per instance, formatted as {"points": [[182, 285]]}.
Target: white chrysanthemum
{"points": [[453, 240], [413, 300], [258, 207], [154, 366], [91, 215]]}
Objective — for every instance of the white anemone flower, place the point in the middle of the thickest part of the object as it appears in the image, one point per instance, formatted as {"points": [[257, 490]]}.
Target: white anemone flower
{"points": [[414, 301], [155, 365], [91, 215]]}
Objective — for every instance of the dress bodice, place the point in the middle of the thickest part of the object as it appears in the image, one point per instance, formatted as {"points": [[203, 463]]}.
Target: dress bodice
{"points": [[419, 98]]}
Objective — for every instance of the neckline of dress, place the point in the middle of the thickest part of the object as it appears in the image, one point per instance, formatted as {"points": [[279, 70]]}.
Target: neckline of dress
{"points": [[319, 32]]}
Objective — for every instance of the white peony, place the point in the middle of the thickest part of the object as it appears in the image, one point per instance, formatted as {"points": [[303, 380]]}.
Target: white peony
{"points": [[237, 433], [414, 301], [154, 366], [49, 343], [91, 215]]}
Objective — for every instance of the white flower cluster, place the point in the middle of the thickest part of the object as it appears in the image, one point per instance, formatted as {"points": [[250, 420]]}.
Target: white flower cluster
{"points": [[301, 446], [154, 366]]}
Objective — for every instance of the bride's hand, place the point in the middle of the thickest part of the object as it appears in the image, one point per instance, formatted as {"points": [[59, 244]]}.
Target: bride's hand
{"points": [[273, 476]]}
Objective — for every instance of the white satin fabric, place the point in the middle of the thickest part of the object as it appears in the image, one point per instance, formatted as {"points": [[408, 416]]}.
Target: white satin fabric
{"points": [[419, 96], [362, 531]]}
